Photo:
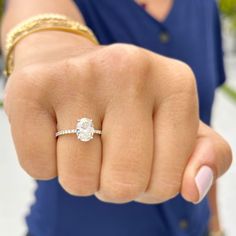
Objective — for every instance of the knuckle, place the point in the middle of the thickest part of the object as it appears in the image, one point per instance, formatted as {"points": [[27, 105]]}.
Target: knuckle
{"points": [[221, 161], [160, 196], [78, 187], [24, 84], [180, 78], [38, 171], [181, 95], [128, 50], [26, 89], [185, 78], [131, 68], [228, 155], [128, 58], [123, 52], [136, 59], [120, 192], [119, 67], [164, 191]]}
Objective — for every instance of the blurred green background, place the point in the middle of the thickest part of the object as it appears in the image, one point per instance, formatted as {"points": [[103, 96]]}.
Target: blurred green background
{"points": [[228, 9]]}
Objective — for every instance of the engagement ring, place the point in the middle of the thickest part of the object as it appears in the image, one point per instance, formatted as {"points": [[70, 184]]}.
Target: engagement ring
{"points": [[84, 130]]}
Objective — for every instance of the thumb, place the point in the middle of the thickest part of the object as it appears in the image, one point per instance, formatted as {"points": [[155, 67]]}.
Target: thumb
{"points": [[211, 158]]}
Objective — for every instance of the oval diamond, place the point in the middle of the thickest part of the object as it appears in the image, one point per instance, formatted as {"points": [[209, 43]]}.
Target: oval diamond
{"points": [[85, 129]]}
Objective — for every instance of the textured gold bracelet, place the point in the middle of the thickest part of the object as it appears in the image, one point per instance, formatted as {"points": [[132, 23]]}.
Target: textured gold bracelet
{"points": [[38, 23]]}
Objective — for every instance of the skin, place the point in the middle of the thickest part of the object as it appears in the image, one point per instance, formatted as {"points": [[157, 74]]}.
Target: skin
{"points": [[152, 144], [160, 9]]}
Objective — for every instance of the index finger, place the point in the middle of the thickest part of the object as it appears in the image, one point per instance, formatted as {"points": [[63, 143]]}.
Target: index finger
{"points": [[176, 122]]}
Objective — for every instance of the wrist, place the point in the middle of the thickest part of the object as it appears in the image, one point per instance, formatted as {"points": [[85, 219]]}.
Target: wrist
{"points": [[214, 224], [217, 233], [50, 44]]}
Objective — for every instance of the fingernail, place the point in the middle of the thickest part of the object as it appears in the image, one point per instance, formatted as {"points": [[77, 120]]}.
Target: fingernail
{"points": [[204, 180]]}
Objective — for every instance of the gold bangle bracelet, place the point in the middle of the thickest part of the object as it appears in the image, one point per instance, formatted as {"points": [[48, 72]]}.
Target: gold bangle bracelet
{"points": [[42, 23]]}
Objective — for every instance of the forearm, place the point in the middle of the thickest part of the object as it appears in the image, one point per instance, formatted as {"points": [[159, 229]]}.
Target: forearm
{"points": [[18, 10], [30, 48]]}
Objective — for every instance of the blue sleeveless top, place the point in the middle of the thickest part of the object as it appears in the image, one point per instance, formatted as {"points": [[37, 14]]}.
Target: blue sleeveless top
{"points": [[190, 33]]}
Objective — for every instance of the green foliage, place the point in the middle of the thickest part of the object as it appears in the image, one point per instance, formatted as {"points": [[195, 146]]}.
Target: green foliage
{"points": [[230, 92], [1, 7], [228, 9]]}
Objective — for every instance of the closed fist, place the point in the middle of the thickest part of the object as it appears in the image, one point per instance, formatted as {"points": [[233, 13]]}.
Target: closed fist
{"points": [[152, 146]]}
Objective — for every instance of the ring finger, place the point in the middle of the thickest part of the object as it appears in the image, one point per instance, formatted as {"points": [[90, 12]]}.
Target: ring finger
{"points": [[79, 162]]}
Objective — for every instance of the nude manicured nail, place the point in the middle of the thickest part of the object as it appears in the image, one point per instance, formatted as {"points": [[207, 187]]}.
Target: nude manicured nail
{"points": [[204, 180]]}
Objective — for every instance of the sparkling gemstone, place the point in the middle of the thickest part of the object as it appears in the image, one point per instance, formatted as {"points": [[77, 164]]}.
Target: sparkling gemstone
{"points": [[85, 129]]}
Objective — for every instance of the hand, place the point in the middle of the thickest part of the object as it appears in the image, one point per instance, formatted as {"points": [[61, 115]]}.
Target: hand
{"points": [[151, 146]]}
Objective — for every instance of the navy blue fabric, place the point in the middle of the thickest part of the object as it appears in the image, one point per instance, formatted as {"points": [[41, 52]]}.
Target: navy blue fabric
{"points": [[194, 37]]}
